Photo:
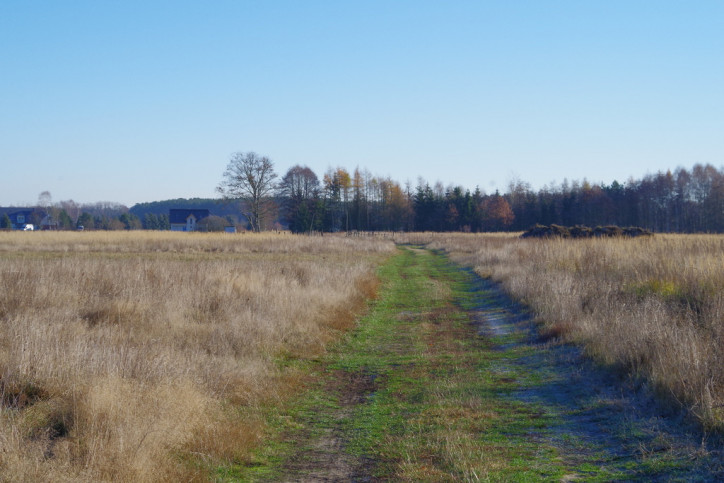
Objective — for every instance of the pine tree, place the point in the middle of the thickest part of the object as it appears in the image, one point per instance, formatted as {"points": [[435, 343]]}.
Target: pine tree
{"points": [[150, 221], [5, 222]]}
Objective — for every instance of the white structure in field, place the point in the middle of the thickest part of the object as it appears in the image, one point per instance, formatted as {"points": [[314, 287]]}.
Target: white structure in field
{"points": [[186, 220]]}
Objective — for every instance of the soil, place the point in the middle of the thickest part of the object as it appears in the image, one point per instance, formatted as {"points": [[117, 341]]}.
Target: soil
{"points": [[324, 456], [327, 460]]}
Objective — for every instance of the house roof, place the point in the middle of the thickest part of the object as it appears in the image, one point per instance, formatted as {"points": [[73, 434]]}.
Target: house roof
{"points": [[180, 215]]}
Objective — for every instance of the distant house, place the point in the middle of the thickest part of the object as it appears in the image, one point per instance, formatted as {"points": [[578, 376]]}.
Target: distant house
{"points": [[185, 220], [20, 219]]}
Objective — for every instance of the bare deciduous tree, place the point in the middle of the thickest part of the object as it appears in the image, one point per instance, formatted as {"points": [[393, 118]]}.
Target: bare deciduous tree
{"points": [[250, 177], [300, 183], [45, 200]]}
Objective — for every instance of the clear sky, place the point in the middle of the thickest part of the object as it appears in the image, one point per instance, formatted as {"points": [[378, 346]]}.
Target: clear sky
{"points": [[133, 101]]}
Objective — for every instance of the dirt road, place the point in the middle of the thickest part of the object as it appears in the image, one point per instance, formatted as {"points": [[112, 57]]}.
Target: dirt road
{"points": [[446, 379]]}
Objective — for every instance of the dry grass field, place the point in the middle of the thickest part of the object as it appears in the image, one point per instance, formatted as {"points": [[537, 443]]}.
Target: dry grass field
{"points": [[652, 307], [142, 356]]}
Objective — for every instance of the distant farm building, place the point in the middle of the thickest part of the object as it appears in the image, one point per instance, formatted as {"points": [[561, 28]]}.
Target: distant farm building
{"points": [[20, 219], [26, 219], [186, 220]]}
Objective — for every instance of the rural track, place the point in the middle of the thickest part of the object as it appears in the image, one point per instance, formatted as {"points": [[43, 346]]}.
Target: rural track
{"points": [[598, 426], [323, 454]]}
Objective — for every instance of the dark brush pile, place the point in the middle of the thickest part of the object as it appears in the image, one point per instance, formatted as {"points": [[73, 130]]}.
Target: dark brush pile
{"points": [[579, 231]]}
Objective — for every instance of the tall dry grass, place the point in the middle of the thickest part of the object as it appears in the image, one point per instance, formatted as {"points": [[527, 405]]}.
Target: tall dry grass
{"points": [[146, 356], [653, 307]]}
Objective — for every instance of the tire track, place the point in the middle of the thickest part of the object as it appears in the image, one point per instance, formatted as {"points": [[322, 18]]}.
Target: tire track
{"points": [[610, 425]]}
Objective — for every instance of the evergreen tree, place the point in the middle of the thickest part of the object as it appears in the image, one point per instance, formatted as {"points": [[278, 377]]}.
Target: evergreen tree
{"points": [[164, 223], [130, 221], [150, 222], [64, 221], [5, 222]]}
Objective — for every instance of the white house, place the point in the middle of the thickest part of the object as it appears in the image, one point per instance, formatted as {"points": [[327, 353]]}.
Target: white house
{"points": [[185, 220]]}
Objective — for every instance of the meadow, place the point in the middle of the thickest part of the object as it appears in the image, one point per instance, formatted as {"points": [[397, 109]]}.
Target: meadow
{"points": [[143, 356], [151, 356], [651, 308]]}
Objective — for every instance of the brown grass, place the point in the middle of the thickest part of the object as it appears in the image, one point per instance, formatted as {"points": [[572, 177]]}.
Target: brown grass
{"points": [[653, 307], [146, 356]]}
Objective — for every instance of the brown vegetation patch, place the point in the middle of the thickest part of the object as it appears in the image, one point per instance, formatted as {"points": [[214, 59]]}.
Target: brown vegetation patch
{"points": [[554, 332], [441, 334], [230, 439], [464, 416], [441, 315], [49, 418], [355, 387], [151, 354], [113, 312], [16, 394]]}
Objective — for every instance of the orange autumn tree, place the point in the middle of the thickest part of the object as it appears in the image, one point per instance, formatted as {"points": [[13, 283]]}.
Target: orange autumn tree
{"points": [[497, 213]]}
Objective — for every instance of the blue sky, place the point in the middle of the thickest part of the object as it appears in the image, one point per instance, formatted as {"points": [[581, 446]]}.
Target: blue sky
{"points": [[134, 101]]}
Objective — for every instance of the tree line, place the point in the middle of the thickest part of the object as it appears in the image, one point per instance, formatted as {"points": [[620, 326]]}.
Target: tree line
{"points": [[681, 201], [256, 198], [69, 215], [358, 201]]}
